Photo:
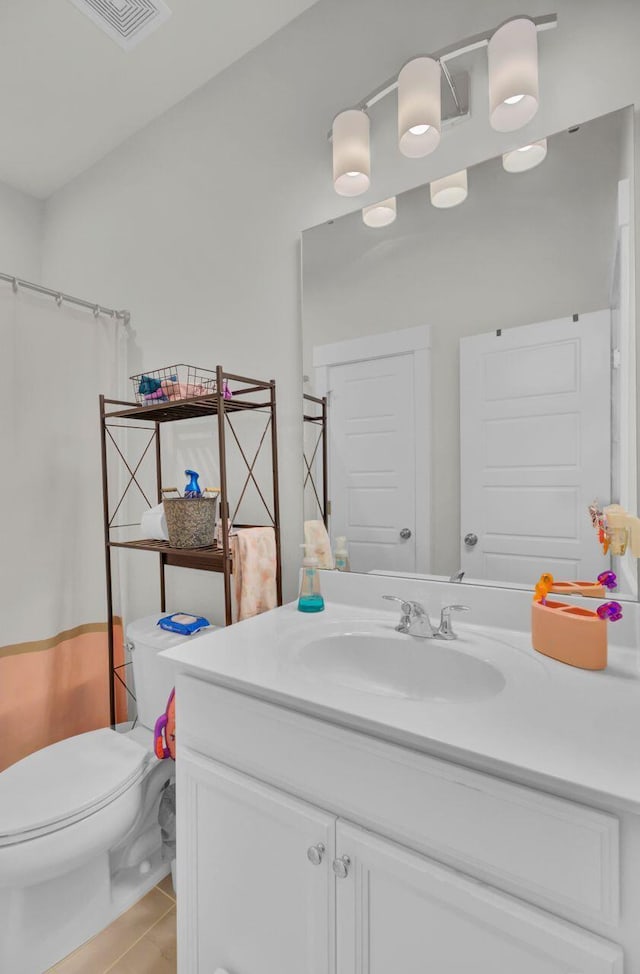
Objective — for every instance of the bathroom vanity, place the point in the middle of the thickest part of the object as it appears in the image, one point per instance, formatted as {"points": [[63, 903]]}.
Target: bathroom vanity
{"points": [[352, 799]]}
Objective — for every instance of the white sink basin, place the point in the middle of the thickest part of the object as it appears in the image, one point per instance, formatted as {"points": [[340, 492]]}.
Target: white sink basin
{"points": [[378, 660]]}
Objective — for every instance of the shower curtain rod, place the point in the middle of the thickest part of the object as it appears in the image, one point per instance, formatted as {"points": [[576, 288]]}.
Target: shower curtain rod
{"points": [[60, 296]]}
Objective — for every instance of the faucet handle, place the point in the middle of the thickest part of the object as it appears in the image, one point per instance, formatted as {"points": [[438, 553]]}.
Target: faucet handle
{"points": [[406, 606], [446, 629]]}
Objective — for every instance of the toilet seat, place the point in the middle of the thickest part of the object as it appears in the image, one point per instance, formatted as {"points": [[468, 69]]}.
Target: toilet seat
{"points": [[68, 781]]}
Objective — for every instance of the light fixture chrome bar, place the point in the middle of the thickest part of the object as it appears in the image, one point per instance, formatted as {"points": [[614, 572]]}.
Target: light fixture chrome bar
{"points": [[452, 87], [445, 54], [60, 297]]}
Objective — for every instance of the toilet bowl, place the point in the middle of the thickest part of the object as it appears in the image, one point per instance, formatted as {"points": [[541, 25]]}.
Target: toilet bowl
{"points": [[79, 834]]}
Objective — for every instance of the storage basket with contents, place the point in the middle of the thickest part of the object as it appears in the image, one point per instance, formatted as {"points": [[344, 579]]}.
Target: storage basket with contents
{"points": [[174, 383], [191, 521]]}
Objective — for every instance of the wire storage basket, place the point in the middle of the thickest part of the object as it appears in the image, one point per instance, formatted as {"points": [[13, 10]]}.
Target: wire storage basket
{"points": [[173, 383]]}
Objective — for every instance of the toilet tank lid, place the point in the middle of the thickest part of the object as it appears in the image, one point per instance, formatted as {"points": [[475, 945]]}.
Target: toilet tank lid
{"points": [[146, 631], [67, 781]]}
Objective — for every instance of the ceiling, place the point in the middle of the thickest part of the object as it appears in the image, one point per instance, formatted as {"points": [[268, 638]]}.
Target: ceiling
{"points": [[69, 94]]}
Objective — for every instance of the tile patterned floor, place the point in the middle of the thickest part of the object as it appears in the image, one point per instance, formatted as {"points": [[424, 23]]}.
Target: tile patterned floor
{"points": [[141, 941]]}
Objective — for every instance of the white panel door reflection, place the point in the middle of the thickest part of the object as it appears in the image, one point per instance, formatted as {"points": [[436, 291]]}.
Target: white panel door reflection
{"points": [[535, 440], [372, 461]]}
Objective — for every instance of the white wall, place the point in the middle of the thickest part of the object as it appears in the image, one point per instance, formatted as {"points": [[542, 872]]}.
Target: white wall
{"points": [[523, 248], [194, 222], [20, 233]]}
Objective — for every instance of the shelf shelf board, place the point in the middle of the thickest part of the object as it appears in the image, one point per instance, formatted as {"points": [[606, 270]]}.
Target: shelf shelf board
{"points": [[210, 559], [166, 412]]}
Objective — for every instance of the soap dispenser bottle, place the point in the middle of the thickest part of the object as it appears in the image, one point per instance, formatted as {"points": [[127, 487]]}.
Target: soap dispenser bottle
{"points": [[342, 555], [310, 598]]}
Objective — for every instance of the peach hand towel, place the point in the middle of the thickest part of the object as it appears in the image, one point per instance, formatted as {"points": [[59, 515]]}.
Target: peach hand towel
{"points": [[315, 535], [254, 566]]}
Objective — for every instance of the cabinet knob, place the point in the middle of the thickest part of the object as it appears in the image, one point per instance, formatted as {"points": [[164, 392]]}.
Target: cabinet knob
{"points": [[315, 853], [341, 867]]}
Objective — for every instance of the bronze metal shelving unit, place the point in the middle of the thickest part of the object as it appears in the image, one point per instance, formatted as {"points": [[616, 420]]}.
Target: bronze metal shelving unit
{"points": [[248, 395], [314, 413]]}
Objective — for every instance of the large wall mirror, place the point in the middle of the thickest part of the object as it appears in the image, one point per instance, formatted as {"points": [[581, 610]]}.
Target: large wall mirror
{"points": [[479, 366]]}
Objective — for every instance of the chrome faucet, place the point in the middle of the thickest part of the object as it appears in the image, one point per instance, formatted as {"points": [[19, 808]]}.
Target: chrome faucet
{"points": [[457, 576], [415, 620]]}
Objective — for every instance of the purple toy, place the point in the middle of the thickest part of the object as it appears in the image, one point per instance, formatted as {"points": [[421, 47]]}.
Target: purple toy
{"points": [[608, 579], [610, 611]]}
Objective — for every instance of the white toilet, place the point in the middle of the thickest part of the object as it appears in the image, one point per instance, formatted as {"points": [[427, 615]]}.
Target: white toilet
{"points": [[79, 834]]}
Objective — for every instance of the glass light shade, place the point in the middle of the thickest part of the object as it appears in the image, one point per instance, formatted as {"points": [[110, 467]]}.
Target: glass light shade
{"points": [[527, 157], [351, 153], [449, 191], [380, 214], [419, 107], [513, 75]]}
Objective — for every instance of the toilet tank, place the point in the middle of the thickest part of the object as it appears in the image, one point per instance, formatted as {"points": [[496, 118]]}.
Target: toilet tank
{"points": [[154, 678]]}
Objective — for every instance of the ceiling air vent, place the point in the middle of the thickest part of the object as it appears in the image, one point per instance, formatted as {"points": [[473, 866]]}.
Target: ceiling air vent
{"points": [[126, 21]]}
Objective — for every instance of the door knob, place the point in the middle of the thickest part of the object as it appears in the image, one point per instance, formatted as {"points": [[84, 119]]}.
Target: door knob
{"points": [[405, 534], [315, 854], [341, 867], [471, 540]]}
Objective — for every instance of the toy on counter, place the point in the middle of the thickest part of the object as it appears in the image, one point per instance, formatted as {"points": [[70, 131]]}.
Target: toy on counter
{"points": [[570, 633], [611, 611], [543, 587], [164, 733]]}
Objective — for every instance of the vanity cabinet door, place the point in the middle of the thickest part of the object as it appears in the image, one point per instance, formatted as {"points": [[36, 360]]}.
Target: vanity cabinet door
{"points": [[400, 912], [256, 891]]}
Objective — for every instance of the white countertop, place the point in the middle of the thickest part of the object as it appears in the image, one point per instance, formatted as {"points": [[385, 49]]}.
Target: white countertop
{"points": [[570, 731]]}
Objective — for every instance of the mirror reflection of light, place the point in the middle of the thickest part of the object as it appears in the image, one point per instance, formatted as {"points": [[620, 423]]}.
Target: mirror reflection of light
{"points": [[380, 214], [449, 191], [525, 157]]}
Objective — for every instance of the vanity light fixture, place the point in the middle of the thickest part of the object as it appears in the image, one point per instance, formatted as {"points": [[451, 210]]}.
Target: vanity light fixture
{"points": [[419, 107], [513, 75], [351, 154], [380, 214], [513, 95], [526, 157], [449, 191]]}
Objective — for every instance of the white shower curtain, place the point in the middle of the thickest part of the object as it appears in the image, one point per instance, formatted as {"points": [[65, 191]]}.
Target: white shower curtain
{"points": [[54, 363]]}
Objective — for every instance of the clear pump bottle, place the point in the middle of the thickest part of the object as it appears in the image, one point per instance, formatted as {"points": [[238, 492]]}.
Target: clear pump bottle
{"points": [[342, 555], [310, 598]]}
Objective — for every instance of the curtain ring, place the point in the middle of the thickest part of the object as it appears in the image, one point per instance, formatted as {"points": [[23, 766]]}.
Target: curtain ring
{"points": [[96, 311], [14, 285], [59, 300]]}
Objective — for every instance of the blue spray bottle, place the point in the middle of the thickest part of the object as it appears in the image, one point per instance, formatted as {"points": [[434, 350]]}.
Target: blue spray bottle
{"points": [[193, 488]]}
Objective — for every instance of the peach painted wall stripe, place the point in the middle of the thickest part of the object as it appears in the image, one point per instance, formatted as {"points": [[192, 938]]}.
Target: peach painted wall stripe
{"points": [[56, 688], [39, 644]]}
